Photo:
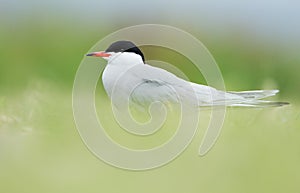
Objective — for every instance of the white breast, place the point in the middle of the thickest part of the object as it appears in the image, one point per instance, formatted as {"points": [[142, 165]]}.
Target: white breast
{"points": [[118, 69]]}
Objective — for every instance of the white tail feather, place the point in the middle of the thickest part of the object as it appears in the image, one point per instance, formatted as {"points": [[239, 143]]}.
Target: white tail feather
{"points": [[248, 99], [255, 94]]}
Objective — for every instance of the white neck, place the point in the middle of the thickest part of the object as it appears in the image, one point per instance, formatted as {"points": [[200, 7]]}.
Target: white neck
{"points": [[118, 64]]}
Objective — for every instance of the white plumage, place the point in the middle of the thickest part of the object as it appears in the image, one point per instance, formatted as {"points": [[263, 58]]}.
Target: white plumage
{"points": [[126, 75]]}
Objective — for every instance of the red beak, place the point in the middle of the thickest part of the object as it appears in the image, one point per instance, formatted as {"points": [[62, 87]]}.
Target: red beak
{"points": [[99, 54]]}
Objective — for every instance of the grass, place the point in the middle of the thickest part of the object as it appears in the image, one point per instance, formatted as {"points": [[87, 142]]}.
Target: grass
{"points": [[41, 151]]}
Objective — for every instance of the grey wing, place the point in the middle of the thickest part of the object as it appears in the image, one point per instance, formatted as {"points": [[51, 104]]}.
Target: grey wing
{"points": [[152, 90], [160, 85]]}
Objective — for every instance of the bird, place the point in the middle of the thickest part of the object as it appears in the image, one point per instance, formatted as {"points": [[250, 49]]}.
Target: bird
{"points": [[127, 74]]}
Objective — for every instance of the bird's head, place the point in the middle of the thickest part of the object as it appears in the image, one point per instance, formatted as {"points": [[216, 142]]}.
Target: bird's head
{"points": [[119, 49]]}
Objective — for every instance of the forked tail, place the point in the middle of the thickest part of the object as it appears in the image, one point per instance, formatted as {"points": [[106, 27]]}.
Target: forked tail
{"points": [[252, 99]]}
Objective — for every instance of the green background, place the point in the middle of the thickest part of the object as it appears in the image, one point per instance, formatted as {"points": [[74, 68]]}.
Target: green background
{"points": [[42, 45]]}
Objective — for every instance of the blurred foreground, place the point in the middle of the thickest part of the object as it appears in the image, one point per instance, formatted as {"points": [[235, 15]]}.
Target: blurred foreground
{"points": [[41, 151]]}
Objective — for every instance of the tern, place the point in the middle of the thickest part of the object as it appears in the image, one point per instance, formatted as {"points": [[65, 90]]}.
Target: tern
{"points": [[127, 74]]}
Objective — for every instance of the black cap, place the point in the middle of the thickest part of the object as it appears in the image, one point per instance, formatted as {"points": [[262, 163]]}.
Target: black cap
{"points": [[125, 46]]}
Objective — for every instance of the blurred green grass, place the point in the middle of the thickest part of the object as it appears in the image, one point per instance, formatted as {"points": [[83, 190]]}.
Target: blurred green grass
{"points": [[53, 52], [41, 151]]}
